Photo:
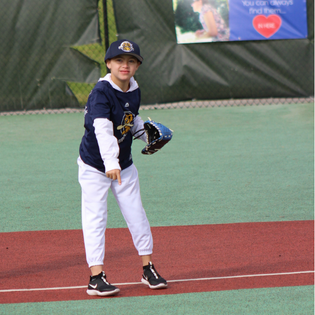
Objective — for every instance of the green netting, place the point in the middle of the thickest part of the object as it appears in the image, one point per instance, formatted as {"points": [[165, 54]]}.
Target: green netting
{"points": [[36, 58], [51, 55]]}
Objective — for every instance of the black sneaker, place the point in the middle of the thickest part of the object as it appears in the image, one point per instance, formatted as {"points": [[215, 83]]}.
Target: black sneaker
{"points": [[151, 277], [99, 286]]}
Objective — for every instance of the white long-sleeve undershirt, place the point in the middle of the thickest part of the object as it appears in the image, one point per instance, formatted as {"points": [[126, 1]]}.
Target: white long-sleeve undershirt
{"points": [[107, 143]]}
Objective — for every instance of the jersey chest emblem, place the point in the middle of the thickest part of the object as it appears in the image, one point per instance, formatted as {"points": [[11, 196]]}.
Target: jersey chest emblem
{"points": [[126, 123]]}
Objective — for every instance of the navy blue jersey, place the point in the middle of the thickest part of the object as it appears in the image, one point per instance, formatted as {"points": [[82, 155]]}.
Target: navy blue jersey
{"points": [[120, 108]]}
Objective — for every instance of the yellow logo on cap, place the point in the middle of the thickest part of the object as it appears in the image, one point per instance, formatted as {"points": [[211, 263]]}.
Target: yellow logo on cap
{"points": [[126, 46]]}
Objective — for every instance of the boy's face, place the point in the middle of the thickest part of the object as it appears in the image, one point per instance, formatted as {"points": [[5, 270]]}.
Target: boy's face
{"points": [[122, 68]]}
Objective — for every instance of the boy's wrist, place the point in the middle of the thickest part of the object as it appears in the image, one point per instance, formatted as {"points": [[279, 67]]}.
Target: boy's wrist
{"points": [[112, 165]]}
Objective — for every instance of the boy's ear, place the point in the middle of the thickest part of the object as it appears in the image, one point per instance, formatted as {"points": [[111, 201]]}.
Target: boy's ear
{"points": [[108, 63]]}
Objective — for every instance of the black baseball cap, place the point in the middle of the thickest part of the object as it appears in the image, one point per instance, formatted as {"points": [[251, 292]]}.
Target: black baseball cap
{"points": [[123, 47]]}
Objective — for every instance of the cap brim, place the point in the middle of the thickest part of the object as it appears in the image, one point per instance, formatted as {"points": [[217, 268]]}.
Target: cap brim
{"points": [[137, 56], [126, 53]]}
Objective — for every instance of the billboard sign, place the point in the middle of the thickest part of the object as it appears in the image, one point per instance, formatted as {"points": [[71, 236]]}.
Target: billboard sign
{"points": [[237, 20]]}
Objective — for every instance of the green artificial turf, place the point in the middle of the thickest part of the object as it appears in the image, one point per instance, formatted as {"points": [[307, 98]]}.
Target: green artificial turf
{"points": [[223, 165]]}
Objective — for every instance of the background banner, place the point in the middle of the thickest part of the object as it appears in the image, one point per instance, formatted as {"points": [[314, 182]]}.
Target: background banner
{"points": [[261, 19], [200, 21]]}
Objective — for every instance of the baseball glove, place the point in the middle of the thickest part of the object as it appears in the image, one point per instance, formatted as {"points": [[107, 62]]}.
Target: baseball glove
{"points": [[157, 136]]}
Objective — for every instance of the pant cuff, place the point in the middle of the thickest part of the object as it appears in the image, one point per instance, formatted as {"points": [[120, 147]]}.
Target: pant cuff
{"points": [[145, 252], [96, 263]]}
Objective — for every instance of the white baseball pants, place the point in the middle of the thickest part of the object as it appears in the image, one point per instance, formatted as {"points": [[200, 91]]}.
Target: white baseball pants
{"points": [[95, 186]]}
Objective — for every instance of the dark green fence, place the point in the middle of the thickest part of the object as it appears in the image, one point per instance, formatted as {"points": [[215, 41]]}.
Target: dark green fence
{"points": [[51, 55], [51, 52]]}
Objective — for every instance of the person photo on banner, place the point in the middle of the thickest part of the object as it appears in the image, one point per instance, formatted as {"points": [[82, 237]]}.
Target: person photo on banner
{"points": [[212, 22]]}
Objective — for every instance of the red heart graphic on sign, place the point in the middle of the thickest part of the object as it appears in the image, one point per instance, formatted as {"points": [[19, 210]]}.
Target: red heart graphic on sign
{"points": [[267, 26]]}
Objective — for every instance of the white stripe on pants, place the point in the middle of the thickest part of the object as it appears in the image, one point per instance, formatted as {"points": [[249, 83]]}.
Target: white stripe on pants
{"points": [[95, 186]]}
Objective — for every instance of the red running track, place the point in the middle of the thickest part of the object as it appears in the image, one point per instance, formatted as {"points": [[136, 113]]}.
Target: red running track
{"points": [[233, 256]]}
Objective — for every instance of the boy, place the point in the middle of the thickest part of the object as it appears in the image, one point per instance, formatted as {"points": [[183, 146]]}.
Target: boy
{"points": [[105, 162]]}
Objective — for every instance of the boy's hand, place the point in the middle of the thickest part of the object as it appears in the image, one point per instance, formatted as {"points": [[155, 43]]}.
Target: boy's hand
{"points": [[114, 174]]}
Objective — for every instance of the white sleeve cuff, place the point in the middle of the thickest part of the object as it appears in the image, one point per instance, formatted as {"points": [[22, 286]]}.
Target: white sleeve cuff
{"points": [[107, 143]]}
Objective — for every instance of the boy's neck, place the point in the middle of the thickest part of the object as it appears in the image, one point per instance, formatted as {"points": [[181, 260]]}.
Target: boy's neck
{"points": [[122, 84]]}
